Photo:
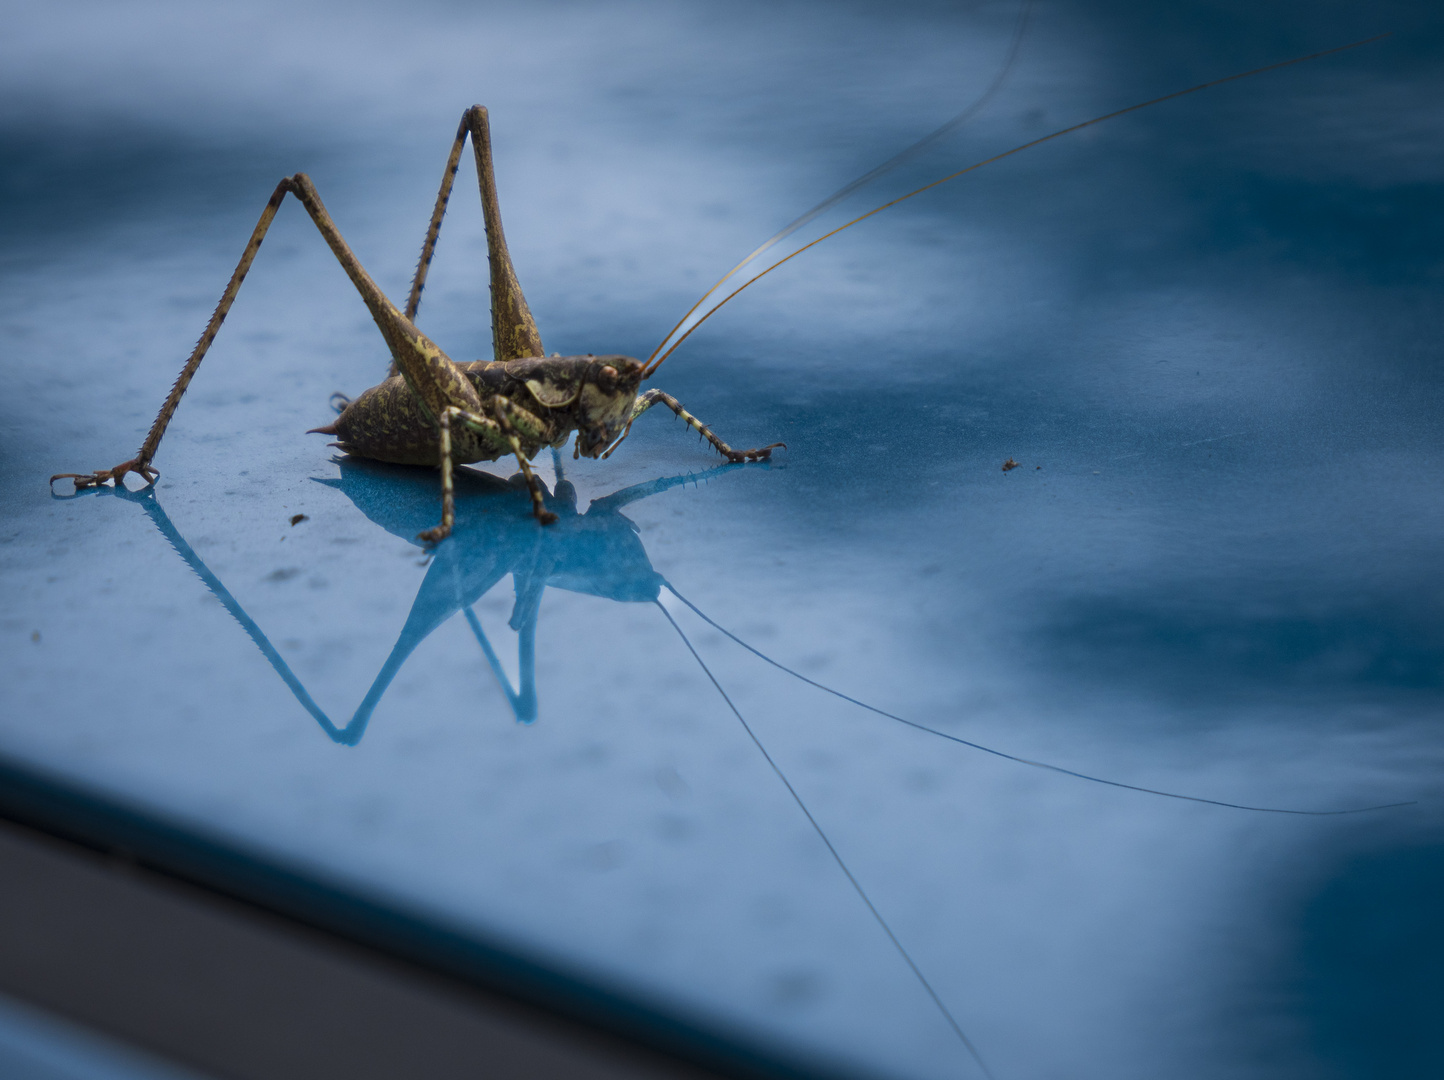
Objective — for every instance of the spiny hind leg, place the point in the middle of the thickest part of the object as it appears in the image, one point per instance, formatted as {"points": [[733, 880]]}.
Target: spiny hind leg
{"points": [[661, 397], [514, 331], [141, 462], [398, 331], [115, 475], [433, 230]]}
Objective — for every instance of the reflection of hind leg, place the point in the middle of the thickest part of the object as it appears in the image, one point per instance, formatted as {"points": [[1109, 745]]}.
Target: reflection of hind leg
{"points": [[523, 699]]}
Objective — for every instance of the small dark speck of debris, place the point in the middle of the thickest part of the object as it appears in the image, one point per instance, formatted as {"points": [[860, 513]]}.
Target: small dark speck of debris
{"points": [[1009, 464], [1037, 466], [296, 519], [35, 636]]}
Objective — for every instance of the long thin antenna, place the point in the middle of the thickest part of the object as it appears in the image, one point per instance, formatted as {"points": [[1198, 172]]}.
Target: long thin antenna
{"points": [[1005, 755], [891, 163], [653, 365], [857, 886]]}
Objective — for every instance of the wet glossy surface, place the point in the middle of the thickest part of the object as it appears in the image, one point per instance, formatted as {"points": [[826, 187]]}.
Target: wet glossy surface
{"points": [[38, 1046], [1209, 334]]}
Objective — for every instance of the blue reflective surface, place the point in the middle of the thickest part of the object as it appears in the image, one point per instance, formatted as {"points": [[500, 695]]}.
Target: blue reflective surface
{"points": [[38, 1046], [1208, 333]]}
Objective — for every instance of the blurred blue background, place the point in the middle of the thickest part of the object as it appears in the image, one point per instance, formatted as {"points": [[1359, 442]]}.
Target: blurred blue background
{"points": [[1209, 333]]}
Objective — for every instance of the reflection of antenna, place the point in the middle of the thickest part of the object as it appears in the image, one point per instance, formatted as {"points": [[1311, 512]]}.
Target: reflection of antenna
{"points": [[837, 857], [1003, 754]]}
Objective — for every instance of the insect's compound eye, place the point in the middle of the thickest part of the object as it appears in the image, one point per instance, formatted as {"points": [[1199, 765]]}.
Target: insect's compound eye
{"points": [[607, 379]]}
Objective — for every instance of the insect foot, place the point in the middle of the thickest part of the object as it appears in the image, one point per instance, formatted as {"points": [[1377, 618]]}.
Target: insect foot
{"points": [[117, 474], [763, 454]]}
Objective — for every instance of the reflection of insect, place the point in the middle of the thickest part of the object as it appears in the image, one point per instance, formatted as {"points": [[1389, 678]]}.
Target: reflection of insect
{"points": [[596, 552]]}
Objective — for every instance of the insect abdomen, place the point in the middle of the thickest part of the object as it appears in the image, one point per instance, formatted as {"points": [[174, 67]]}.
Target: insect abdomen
{"points": [[386, 423]]}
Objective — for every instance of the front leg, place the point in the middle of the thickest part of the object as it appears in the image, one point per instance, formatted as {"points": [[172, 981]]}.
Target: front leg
{"points": [[661, 397]]}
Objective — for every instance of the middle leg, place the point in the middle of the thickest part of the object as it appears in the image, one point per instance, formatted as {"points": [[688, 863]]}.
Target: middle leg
{"points": [[490, 430], [501, 432], [509, 419]]}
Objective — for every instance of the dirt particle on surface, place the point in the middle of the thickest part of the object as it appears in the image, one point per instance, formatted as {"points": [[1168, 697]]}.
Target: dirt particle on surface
{"points": [[296, 519], [1009, 464]]}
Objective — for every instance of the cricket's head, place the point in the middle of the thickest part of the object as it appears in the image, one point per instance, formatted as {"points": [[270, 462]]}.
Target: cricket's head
{"points": [[594, 393], [608, 391]]}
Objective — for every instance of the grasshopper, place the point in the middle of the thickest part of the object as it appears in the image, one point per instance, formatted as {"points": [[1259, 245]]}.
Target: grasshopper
{"points": [[432, 410]]}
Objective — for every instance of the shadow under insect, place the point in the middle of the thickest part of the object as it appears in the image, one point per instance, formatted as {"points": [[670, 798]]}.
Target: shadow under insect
{"points": [[596, 551]]}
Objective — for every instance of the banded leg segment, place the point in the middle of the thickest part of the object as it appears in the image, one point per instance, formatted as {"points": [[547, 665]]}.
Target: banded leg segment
{"points": [[429, 371], [525, 421], [433, 230], [514, 332], [448, 491], [661, 397], [500, 432], [509, 417]]}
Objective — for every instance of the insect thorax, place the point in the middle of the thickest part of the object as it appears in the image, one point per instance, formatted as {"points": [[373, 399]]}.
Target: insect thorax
{"points": [[554, 396]]}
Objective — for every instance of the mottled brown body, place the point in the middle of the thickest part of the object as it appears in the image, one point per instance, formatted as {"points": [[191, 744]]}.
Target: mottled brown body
{"points": [[388, 423], [431, 410]]}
